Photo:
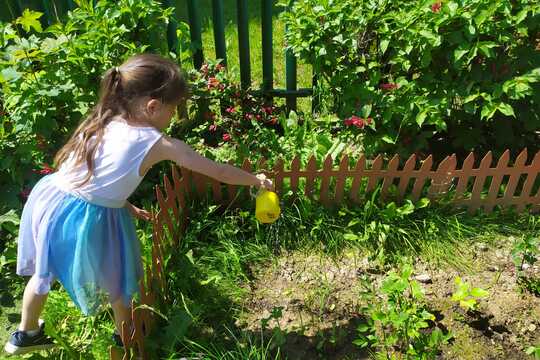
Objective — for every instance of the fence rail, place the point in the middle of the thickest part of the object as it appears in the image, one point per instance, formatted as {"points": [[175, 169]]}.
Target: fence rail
{"points": [[504, 183], [54, 9]]}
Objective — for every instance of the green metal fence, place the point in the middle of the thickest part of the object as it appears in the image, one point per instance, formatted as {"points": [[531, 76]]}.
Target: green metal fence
{"points": [[56, 8]]}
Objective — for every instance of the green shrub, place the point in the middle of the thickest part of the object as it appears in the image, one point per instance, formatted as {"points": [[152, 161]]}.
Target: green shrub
{"points": [[425, 76], [49, 78]]}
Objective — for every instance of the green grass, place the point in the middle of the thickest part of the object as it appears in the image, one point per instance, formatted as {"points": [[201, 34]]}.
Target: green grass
{"points": [[209, 275], [255, 42], [221, 249]]}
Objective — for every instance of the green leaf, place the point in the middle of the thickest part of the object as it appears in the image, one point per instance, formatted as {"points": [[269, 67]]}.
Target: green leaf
{"points": [[459, 52], [421, 117], [485, 47], [424, 202], [506, 109], [468, 304], [11, 217], [435, 39], [363, 327], [338, 38], [384, 45], [452, 6], [488, 110], [9, 74], [29, 20], [479, 292], [416, 290], [388, 139]]}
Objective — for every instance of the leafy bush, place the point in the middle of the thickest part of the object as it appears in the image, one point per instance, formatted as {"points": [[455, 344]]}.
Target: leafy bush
{"points": [[236, 124], [425, 76], [49, 78]]}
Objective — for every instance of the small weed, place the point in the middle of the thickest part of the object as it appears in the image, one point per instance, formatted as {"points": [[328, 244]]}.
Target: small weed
{"points": [[526, 253], [400, 320], [466, 296]]}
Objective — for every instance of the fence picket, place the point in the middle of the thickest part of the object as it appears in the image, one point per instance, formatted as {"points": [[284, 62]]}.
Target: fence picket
{"points": [[374, 175], [311, 173], [514, 178], [195, 33], [219, 30], [390, 174], [295, 169], [496, 180], [358, 175], [480, 179], [532, 174], [442, 178], [267, 53], [326, 175], [171, 199], [406, 175], [421, 176], [278, 173], [243, 43], [341, 178], [464, 176]]}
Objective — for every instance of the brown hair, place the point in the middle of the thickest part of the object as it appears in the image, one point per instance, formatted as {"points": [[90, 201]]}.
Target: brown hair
{"points": [[141, 75]]}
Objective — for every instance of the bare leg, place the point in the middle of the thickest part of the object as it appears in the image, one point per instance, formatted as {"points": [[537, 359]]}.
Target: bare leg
{"points": [[32, 307], [121, 313]]}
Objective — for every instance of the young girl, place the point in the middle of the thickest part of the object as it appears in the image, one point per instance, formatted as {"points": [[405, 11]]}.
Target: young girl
{"points": [[76, 225]]}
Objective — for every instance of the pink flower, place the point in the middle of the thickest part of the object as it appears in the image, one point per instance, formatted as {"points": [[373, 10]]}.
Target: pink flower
{"points": [[45, 170], [212, 83], [226, 137], [436, 7], [212, 127], [237, 94], [355, 121], [231, 110], [268, 109], [204, 69], [258, 117], [219, 67], [389, 86], [249, 116]]}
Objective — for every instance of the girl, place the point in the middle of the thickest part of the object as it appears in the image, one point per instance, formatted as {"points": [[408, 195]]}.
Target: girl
{"points": [[76, 225]]}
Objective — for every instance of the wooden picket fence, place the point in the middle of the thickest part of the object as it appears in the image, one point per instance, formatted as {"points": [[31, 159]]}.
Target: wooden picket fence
{"points": [[485, 186]]}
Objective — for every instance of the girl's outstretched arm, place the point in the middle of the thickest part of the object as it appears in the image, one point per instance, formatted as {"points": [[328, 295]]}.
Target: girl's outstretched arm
{"points": [[168, 148]]}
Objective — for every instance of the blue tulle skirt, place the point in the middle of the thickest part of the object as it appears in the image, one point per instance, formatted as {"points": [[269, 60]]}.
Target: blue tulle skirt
{"points": [[90, 248]]}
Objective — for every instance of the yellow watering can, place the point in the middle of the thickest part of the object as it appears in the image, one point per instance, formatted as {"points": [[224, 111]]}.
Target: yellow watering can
{"points": [[267, 208]]}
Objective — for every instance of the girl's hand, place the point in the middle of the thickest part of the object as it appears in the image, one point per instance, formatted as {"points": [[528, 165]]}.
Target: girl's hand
{"points": [[264, 182], [139, 213]]}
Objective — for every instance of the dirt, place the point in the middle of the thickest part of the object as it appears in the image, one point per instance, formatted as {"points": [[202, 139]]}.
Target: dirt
{"points": [[319, 302]]}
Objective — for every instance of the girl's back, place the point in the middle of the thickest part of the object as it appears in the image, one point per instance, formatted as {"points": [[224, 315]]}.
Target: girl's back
{"points": [[117, 164]]}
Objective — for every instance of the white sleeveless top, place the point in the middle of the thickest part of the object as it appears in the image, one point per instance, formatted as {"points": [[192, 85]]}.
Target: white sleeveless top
{"points": [[116, 165]]}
